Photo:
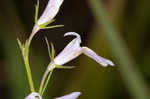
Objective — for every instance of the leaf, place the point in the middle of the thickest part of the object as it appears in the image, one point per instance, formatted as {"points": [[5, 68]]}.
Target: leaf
{"points": [[46, 23], [54, 26]]}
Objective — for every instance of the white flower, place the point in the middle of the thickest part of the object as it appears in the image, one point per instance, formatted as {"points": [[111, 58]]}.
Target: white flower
{"points": [[73, 95], [73, 50], [33, 95], [50, 11]]}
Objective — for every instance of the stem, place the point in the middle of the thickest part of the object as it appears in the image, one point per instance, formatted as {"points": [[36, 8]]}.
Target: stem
{"points": [[46, 83], [44, 78], [34, 31], [29, 74], [131, 75]]}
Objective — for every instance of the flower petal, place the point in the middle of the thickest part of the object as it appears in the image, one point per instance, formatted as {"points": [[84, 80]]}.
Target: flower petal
{"points": [[104, 62], [50, 11], [71, 51], [73, 95], [33, 95], [78, 38]]}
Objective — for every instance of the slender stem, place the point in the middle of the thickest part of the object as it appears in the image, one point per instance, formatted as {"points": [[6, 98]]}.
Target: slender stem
{"points": [[130, 73], [44, 77], [42, 81], [34, 31], [46, 83], [29, 74]]}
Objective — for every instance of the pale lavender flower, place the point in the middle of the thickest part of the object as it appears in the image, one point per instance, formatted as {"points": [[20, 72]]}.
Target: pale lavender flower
{"points": [[47, 16], [73, 95], [33, 95], [50, 11], [73, 50]]}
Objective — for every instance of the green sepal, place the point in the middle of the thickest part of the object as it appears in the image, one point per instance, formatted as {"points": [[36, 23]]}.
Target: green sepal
{"points": [[48, 47], [50, 27], [36, 11], [64, 67], [51, 51], [46, 23]]}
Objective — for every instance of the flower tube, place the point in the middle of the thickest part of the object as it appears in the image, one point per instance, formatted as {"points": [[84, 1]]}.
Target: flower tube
{"points": [[73, 50]]}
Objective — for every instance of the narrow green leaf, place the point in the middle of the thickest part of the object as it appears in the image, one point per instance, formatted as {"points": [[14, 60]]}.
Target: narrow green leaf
{"points": [[36, 12], [50, 27], [46, 23], [48, 47], [64, 67]]}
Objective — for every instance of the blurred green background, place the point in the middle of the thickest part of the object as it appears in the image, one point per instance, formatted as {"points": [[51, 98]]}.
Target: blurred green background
{"points": [[127, 80]]}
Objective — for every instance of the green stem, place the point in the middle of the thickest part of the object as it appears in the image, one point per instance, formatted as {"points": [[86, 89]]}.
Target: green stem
{"points": [[130, 73], [26, 61], [46, 79], [46, 83]]}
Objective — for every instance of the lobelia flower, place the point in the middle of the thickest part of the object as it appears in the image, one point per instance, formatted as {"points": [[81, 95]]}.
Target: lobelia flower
{"points": [[35, 95], [47, 16], [73, 50], [73, 95], [50, 11], [70, 52]]}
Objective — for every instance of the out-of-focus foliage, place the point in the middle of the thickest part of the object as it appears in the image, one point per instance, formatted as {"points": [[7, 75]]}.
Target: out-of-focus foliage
{"points": [[131, 18]]}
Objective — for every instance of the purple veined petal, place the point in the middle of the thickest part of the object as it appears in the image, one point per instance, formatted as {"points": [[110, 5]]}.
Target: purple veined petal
{"points": [[73, 95], [90, 53], [33, 95], [71, 51], [50, 11]]}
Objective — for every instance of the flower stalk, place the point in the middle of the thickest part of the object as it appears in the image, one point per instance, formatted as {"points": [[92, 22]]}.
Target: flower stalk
{"points": [[70, 52], [25, 53], [44, 82]]}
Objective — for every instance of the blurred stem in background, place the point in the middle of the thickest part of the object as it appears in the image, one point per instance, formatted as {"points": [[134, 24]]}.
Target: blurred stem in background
{"points": [[131, 75], [14, 69]]}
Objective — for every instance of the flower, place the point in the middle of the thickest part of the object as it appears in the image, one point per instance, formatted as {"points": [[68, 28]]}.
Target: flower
{"points": [[73, 50], [73, 95], [50, 11], [46, 18], [35, 95]]}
